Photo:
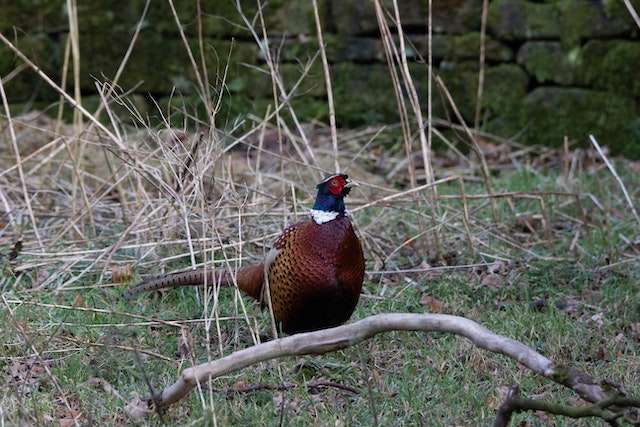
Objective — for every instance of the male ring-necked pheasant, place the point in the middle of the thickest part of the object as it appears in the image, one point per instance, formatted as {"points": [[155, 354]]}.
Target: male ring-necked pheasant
{"points": [[315, 268]]}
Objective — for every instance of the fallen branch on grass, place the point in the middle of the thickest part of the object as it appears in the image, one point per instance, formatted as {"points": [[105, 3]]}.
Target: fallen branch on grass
{"points": [[341, 337], [514, 403]]}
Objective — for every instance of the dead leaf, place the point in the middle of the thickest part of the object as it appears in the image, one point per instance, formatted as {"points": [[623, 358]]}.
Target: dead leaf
{"points": [[527, 223], [545, 418], [493, 280], [497, 267], [498, 153], [598, 319], [67, 410], [432, 304], [290, 402], [15, 250], [25, 376], [121, 273], [239, 386], [78, 301], [104, 385], [495, 400], [569, 305], [71, 419], [185, 344], [137, 408]]}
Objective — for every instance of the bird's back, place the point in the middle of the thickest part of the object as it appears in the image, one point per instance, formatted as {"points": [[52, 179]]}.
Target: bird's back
{"points": [[316, 275]]}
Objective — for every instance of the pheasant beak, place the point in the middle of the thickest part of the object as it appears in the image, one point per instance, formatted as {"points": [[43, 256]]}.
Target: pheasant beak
{"points": [[350, 184]]}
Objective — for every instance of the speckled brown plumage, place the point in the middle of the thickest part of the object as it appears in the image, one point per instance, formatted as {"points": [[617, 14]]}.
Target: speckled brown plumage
{"points": [[315, 269], [316, 276]]}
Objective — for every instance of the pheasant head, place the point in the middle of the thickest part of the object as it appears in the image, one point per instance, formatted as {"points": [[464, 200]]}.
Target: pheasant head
{"points": [[330, 198]]}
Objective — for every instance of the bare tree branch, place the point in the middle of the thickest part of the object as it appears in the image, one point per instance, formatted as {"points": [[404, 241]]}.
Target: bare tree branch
{"points": [[604, 409], [341, 337]]}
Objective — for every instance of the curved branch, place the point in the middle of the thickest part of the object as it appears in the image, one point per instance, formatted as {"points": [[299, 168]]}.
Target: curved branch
{"points": [[341, 337]]}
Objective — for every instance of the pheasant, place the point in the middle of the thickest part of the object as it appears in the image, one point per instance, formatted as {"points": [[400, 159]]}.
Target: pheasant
{"points": [[315, 268]]}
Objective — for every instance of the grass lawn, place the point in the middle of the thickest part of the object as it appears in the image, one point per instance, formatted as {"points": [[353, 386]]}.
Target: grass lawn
{"points": [[574, 299]]}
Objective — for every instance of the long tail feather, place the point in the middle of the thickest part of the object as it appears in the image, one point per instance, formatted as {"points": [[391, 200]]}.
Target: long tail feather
{"points": [[249, 280]]}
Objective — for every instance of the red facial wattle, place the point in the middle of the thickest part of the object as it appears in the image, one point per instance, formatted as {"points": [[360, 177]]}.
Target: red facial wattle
{"points": [[336, 186]]}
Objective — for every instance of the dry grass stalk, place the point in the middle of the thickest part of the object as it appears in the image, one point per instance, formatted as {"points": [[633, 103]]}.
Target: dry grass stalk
{"points": [[25, 336], [57, 88], [391, 55], [327, 81], [616, 176], [484, 168], [465, 216], [16, 151], [164, 199], [400, 57], [483, 41], [632, 12]]}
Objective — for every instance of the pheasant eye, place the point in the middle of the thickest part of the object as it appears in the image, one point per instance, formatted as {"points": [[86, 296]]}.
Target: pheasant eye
{"points": [[335, 186]]}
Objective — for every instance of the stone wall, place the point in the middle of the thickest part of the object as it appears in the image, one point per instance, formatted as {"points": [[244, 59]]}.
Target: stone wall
{"points": [[554, 67]]}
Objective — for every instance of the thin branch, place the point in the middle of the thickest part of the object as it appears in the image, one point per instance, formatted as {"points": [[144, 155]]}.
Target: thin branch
{"points": [[513, 403]]}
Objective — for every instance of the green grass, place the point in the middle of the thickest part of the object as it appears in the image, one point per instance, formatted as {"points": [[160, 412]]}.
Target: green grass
{"points": [[404, 378]]}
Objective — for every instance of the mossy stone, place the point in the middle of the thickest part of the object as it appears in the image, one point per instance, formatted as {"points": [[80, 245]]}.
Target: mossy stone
{"points": [[463, 47], [551, 62], [505, 86], [520, 19], [449, 16], [613, 65], [467, 46], [567, 20], [337, 49], [26, 84], [32, 16], [550, 113], [159, 63], [363, 94], [256, 81]]}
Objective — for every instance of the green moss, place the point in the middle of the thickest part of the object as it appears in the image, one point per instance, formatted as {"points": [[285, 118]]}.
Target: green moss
{"points": [[158, 64], [363, 94], [467, 46], [568, 20], [549, 114], [91, 103], [27, 85], [519, 20], [612, 65], [461, 80], [551, 62], [31, 16], [505, 87]]}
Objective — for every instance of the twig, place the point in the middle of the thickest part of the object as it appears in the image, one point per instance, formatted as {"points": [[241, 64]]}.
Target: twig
{"points": [[617, 177], [632, 12], [514, 403], [281, 387]]}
